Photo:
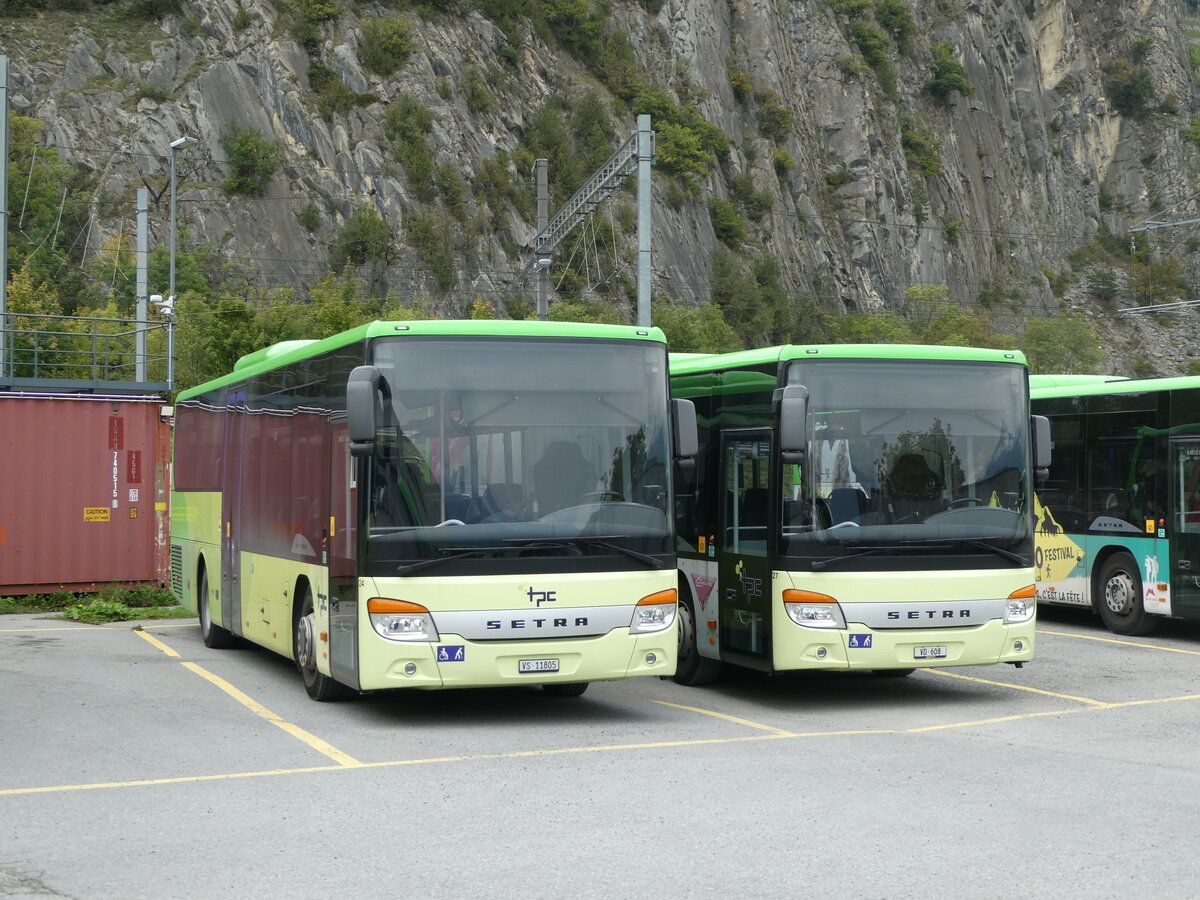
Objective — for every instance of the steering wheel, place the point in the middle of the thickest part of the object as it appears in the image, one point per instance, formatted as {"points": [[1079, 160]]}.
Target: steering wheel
{"points": [[963, 502]]}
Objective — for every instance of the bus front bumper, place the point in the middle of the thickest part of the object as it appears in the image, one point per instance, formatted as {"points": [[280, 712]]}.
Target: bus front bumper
{"points": [[858, 647], [454, 662]]}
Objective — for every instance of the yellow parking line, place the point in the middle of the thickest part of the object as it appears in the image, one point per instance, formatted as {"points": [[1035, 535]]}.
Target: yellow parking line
{"points": [[734, 719], [294, 730], [323, 747], [1104, 640], [993, 721], [1017, 687], [157, 643], [516, 754]]}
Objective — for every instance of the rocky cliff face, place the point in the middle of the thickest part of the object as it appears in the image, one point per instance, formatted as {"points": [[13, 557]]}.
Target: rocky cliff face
{"points": [[1032, 165]]}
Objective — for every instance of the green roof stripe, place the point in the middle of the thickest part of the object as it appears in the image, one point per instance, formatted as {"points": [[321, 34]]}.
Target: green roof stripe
{"points": [[285, 352], [843, 351]]}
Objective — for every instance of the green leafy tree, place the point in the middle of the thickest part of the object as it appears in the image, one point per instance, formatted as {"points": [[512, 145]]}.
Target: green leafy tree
{"points": [[896, 19], [252, 160], [949, 75], [1056, 346], [884, 327], [47, 212], [1130, 88], [694, 329], [387, 43]]}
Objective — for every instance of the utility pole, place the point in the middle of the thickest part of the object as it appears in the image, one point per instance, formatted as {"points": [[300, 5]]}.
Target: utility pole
{"points": [[141, 255], [541, 169], [3, 213]]}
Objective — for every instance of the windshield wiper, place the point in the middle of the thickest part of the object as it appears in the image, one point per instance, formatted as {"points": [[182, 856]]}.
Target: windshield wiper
{"points": [[446, 557], [1000, 551], [937, 544], [599, 542]]}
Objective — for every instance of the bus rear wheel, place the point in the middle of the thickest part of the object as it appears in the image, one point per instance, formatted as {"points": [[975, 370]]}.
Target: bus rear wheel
{"points": [[319, 686], [691, 668], [1119, 597], [214, 636]]}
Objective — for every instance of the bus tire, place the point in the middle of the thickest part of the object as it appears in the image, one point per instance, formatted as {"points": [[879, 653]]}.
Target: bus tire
{"points": [[214, 636], [691, 668], [1119, 597], [565, 690], [319, 686]]}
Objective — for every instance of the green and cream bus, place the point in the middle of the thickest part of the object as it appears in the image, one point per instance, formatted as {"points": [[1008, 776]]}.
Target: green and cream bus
{"points": [[856, 508], [1118, 518], [435, 504]]}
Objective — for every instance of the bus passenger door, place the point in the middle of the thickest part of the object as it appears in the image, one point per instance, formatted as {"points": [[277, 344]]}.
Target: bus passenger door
{"points": [[231, 508], [743, 569], [341, 540], [1183, 529]]}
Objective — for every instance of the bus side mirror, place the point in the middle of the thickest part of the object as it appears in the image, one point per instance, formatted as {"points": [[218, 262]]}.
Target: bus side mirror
{"points": [[1039, 428], [793, 418], [362, 388], [684, 433]]}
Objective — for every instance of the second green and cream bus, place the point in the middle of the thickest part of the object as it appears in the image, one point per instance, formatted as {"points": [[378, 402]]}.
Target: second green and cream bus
{"points": [[435, 504], [857, 508]]}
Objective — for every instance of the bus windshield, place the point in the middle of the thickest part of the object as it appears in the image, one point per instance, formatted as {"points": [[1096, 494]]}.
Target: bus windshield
{"points": [[918, 459], [495, 449]]}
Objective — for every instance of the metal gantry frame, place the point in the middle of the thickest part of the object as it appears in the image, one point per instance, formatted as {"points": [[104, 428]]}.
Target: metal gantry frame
{"points": [[635, 155], [1152, 225]]}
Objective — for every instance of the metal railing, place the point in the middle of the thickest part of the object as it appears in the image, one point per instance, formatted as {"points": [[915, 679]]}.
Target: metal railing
{"points": [[42, 351]]}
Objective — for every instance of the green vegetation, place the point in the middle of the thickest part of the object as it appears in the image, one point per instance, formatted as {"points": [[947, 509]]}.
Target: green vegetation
{"points": [[477, 90], [386, 43], [110, 604], [727, 224], [333, 95], [949, 75], [921, 148], [1129, 88], [407, 121], [688, 145], [775, 120], [1060, 345], [1192, 132], [896, 19], [365, 238], [252, 161]]}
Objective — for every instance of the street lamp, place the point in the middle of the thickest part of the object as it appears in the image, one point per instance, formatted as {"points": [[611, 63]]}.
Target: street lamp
{"points": [[169, 307], [176, 145]]}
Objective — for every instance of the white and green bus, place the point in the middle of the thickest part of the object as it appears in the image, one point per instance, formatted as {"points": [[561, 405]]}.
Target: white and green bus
{"points": [[1118, 518], [435, 504], [857, 508]]}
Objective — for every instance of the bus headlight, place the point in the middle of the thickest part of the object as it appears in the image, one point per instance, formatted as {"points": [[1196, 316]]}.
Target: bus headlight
{"points": [[1021, 605], [654, 613], [399, 620], [813, 610]]}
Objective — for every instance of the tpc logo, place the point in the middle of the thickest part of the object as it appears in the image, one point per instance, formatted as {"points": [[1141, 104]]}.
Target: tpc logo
{"points": [[540, 597]]}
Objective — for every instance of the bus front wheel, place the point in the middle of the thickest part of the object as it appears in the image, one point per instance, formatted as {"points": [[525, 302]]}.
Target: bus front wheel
{"points": [[1119, 597], [214, 636], [565, 690], [691, 668], [319, 686]]}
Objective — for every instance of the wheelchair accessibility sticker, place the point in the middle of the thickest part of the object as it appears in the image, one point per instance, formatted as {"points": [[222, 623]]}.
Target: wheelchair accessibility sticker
{"points": [[860, 641], [452, 653]]}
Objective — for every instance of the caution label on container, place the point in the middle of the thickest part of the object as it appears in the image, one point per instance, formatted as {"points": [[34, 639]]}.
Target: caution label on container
{"points": [[96, 513]]}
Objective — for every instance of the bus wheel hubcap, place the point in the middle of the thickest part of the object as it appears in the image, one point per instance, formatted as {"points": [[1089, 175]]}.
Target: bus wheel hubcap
{"points": [[304, 642], [1119, 593]]}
